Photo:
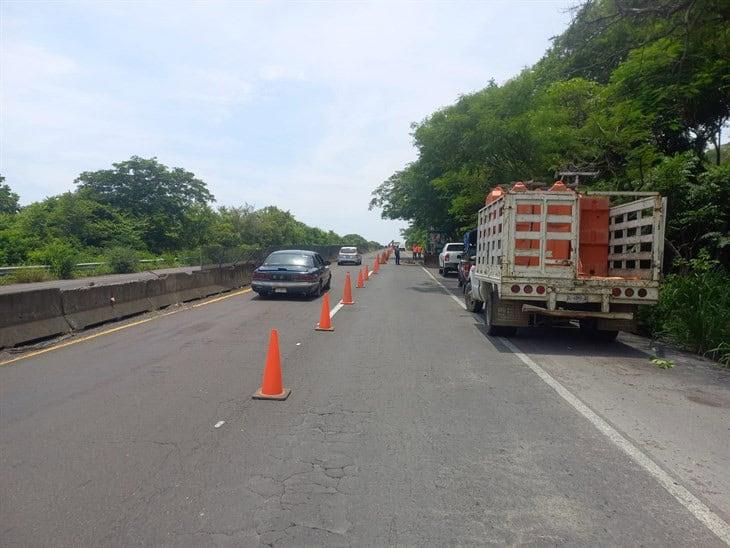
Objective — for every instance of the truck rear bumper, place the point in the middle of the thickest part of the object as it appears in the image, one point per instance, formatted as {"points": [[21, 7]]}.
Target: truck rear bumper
{"points": [[577, 314]]}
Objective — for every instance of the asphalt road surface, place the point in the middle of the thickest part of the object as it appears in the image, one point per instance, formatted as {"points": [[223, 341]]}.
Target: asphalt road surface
{"points": [[406, 426]]}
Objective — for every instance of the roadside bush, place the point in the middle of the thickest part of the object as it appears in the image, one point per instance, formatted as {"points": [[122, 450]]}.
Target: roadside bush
{"points": [[122, 260], [60, 256], [694, 309], [26, 276]]}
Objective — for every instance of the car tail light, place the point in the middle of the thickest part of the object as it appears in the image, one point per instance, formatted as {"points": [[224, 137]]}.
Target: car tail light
{"points": [[629, 292], [540, 289], [308, 277], [446, 257], [515, 288], [616, 292], [642, 292], [261, 275], [527, 289]]}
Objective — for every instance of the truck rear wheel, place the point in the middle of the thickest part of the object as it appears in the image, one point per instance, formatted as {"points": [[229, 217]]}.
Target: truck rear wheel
{"points": [[472, 305], [496, 330]]}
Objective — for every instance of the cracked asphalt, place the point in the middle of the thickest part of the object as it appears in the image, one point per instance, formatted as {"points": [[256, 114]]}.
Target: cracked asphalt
{"points": [[407, 426]]}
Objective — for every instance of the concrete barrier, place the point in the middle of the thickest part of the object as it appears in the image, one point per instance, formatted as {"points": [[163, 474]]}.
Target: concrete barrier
{"points": [[92, 305], [30, 315]]}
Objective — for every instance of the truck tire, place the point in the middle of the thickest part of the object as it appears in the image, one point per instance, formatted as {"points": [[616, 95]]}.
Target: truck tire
{"points": [[472, 305], [496, 330]]}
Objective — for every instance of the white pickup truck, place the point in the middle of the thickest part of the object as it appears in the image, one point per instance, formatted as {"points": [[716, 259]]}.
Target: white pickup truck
{"points": [[555, 254], [449, 257]]}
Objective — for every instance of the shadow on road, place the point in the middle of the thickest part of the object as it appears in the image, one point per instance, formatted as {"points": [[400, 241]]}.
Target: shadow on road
{"points": [[426, 287], [563, 341]]}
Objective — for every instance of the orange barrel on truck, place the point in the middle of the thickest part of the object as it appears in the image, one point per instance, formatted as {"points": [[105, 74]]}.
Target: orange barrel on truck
{"points": [[593, 247]]}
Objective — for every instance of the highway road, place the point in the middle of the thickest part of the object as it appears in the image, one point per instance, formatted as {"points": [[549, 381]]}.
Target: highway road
{"points": [[406, 426]]}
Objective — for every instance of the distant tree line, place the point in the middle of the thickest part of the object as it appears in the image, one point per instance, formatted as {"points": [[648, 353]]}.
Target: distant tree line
{"points": [[141, 208]]}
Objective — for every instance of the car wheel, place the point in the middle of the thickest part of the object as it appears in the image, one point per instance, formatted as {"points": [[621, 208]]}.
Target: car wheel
{"points": [[318, 290], [328, 285], [472, 305], [441, 271]]}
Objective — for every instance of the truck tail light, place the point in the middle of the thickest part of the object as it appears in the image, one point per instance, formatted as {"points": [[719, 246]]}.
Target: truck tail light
{"points": [[641, 292], [629, 292], [446, 257], [616, 292], [527, 289], [540, 289], [515, 288]]}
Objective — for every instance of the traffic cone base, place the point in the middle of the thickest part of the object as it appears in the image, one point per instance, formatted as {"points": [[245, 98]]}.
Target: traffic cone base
{"points": [[279, 397]]}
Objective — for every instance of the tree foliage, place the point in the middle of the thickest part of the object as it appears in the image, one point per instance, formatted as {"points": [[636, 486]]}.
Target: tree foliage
{"points": [[139, 208], [636, 90]]}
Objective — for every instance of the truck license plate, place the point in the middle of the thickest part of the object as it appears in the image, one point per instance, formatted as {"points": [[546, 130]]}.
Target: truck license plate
{"points": [[576, 298]]}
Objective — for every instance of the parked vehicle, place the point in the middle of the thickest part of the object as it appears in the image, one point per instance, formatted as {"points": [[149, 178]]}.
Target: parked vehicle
{"points": [[349, 255], [558, 254], [449, 257], [468, 257], [292, 271]]}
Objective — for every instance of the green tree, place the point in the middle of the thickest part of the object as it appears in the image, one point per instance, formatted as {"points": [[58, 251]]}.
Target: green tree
{"points": [[8, 198], [160, 197]]}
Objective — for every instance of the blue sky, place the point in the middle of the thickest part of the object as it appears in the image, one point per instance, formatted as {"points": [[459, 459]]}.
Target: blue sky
{"points": [[306, 106]]}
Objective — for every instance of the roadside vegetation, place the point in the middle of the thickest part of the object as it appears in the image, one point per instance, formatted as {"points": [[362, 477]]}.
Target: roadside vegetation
{"points": [[136, 211], [637, 91]]}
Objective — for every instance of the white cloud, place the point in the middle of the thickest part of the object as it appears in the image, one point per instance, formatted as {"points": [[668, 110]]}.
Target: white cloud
{"points": [[324, 93]]}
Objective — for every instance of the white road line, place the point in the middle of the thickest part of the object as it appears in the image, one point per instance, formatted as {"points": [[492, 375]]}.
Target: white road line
{"points": [[219, 424], [695, 506], [336, 309]]}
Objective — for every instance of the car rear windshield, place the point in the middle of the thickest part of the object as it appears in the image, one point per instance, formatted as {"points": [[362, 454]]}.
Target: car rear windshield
{"points": [[348, 250], [455, 247], [289, 259]]}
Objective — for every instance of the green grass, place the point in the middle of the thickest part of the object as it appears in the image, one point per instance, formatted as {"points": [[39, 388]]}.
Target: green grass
{"points": [[694, 311], [26, 276]]}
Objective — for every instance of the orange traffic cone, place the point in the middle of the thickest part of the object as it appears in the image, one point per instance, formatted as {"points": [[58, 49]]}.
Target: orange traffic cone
{"points": [[347, 293], [271, 386], [325, 323], [382, 258], [365, 271], [360, 282], [376, 266]]}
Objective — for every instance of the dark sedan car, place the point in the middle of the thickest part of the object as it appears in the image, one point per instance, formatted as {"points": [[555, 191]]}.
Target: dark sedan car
{"points": [[292, 271]]}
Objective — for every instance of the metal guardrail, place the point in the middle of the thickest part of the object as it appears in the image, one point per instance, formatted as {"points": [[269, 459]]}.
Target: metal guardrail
{"points": [[4, 270]]}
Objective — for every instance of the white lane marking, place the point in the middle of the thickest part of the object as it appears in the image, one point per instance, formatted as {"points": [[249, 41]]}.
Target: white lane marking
{"points": [[695, 506], [449, 293], [219, 424], [335, 309]]}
